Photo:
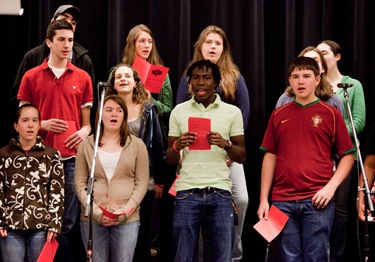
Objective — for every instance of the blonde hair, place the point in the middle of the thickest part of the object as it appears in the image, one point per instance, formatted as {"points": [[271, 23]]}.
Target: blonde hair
{"points": [[228, 69]]}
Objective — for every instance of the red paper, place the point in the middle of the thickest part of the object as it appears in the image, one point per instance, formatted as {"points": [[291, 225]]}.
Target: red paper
{"points": [[172, 190], [56, 140], [201, 126], [270, 228], [48, 252], [112, 215], [152, 76]]}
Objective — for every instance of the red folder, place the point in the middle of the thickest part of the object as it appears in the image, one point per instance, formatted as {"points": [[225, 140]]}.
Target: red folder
{"points": [[201, 126]]}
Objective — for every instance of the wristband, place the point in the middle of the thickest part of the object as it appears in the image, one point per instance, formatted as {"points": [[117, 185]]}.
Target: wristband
{"points": [[174, 147]]}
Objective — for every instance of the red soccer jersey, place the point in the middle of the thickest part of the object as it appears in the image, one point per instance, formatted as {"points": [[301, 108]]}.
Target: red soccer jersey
{"points": [[303, 139]]}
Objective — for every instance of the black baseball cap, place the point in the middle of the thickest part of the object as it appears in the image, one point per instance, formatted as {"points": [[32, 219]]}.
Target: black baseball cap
{"points": [[74, 11]]}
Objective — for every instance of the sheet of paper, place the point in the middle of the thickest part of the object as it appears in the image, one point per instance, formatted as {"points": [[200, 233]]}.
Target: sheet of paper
{"points": [[201, 126], [142, 67], [112, 215], [270, 228], [172, 190], [152, 76], [48, 251]]}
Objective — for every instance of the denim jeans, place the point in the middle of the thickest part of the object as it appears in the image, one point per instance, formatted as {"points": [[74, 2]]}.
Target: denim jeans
{"points": [[241, 198], [214, 212], [23, 245], [71, 204], [305, 236], [114, 243], [70, 241]]}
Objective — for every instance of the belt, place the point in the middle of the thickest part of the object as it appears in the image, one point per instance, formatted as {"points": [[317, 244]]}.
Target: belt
{"points": [[206, 190]]}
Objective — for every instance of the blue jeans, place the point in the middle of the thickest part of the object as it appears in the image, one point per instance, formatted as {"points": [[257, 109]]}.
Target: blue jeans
{"points": [[70, 241], [214, 212], [305, 236], [241, 198], [23, 245], [115, 243], [71, 205]]}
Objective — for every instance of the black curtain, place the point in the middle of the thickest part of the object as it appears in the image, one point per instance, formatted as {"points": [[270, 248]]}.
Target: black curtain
{"points": [[264, 35]]}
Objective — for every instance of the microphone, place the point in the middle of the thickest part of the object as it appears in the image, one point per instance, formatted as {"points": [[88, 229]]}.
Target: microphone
{"points": [[104, 84], [102, 87], [344, 85]]}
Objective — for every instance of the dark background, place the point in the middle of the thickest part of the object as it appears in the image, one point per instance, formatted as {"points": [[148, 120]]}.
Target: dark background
{"points": [[264, 35]]}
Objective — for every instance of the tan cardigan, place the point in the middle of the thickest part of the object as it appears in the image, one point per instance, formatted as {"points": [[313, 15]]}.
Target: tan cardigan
{"points": [[124, 191]]}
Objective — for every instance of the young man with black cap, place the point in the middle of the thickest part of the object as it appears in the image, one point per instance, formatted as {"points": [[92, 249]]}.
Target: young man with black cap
{"points": [[34, 57]]}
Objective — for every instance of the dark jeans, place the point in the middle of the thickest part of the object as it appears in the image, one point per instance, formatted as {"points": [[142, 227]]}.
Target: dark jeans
{"points": [[214, 212], [71, 247], [305, 236], [71, 204]]}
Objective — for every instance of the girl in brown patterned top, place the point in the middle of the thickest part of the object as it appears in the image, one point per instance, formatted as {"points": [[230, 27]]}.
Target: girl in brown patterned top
{"points": [[31, 190]]}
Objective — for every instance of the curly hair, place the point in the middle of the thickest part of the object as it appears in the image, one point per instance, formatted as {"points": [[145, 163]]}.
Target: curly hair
{"points": [[139, 92]]}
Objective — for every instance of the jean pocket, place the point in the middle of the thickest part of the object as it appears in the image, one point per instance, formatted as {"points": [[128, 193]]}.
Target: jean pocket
{"points": [[182, 194], [224, 194]]}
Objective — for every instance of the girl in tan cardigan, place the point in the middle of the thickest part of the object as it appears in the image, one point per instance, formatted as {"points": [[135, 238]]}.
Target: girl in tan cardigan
{"points": [[121, 176]]}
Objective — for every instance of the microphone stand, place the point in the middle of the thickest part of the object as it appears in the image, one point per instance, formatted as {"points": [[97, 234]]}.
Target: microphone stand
{"points": [[90, 182], [368, 202]]}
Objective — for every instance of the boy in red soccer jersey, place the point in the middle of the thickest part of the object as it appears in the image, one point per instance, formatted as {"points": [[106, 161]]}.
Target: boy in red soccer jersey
{"points": [[297, 165]]}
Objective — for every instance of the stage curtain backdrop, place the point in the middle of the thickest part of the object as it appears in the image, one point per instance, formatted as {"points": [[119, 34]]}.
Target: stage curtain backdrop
{"points": [[264, 36]]}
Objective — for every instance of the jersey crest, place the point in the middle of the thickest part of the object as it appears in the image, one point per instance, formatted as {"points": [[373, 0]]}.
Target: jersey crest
{"points": [[316, 120]]}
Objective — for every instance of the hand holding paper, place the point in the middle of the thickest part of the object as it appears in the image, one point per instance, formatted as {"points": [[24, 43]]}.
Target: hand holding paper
{"points": [[56, 140], [201, 126], [270, 228], [113, 215]]}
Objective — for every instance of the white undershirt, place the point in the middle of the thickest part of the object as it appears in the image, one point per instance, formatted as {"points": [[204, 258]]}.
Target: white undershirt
{"points": [[109, 162], [57, 71]]}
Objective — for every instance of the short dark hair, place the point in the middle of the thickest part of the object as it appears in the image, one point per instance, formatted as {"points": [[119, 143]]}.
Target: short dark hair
{"points": [[57, 25], [205, 64], [306, 63]]}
